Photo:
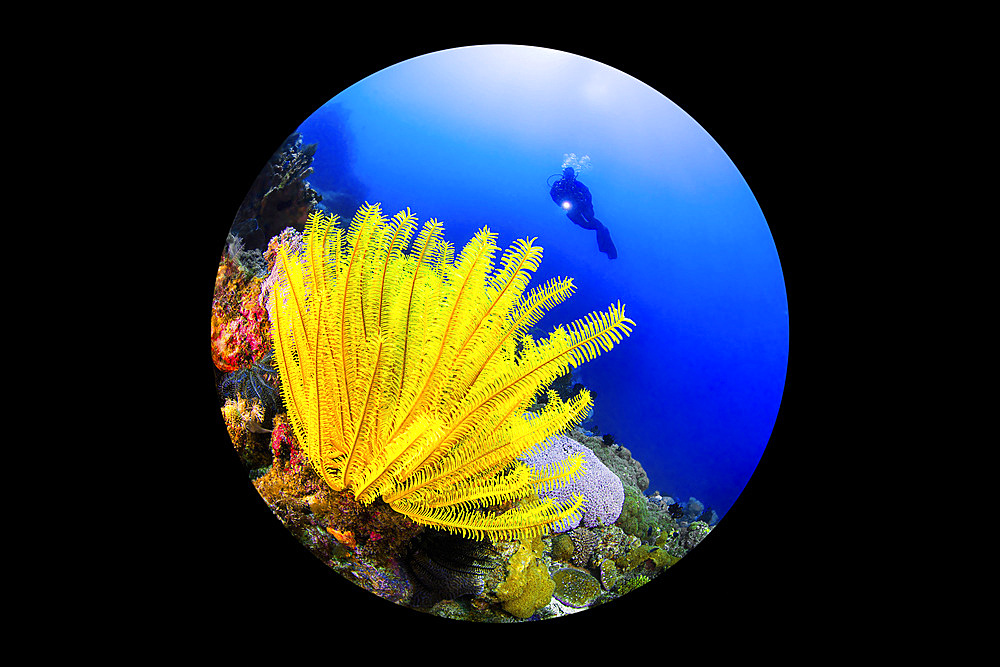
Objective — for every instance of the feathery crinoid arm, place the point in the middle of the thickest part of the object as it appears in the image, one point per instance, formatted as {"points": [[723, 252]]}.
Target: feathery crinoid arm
{"points": [[486, 315], [389, 242], [529, 519], [457, 303], [400, 377], [458, 506], [510, 388], [493, 325], [299, 334], [490, 427]]}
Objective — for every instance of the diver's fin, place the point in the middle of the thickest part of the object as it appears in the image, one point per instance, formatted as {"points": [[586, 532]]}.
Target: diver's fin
{"points": [[604, 243]]}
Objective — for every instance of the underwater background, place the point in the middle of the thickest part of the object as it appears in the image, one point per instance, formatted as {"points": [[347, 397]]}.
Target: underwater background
{"points": [[475, 136]]}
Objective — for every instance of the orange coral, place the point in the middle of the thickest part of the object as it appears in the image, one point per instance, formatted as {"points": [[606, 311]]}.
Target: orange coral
{"points": [[346, 538]]}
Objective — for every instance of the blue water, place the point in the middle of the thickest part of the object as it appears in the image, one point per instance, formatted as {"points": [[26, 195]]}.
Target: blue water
{"points": [[470, 135]]}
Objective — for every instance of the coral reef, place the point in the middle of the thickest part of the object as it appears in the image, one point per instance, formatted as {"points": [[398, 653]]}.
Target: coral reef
{"points": [[602, 489], [615, 541], [291, 240], [249, 260], [446, 566], [650, 557], [694, 510], [399, 372], [616, 457], [528, 586], [387, 578], [562, 547], [377, 533], [285, 490], [284, 447], [609, 573], [631, 583], [334, 177], [612, 543], [679, 539], [240, 327], [243, 419], [584, 543], [258, 382], [575, 587], [280, 196], [635, 518]]}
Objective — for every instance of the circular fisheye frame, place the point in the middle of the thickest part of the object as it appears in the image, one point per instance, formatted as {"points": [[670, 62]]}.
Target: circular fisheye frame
{"points": [[491, 360]]}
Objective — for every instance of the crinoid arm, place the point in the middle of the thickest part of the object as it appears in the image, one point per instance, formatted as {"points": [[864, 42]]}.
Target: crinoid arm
{"points": [[408, 375]]}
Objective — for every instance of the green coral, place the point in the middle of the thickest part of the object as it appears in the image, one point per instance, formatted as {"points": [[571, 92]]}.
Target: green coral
{"points": [[610, 576], [528, 586], [633, 583], [575, 587], [679, 540], [660, 558], [635, 518], [696, 532], [562, 547]]}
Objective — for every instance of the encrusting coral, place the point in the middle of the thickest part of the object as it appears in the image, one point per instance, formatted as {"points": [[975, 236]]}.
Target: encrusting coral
{"points": [[239, 323], [575, 587], [602, 489], [408, 375]]}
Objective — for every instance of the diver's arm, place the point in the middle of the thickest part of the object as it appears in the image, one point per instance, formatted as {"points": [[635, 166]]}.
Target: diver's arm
{"points": [[558, 192]]}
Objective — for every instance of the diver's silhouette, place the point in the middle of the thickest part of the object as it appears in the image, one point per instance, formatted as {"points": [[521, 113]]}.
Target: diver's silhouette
{"points": [[574, 196]]}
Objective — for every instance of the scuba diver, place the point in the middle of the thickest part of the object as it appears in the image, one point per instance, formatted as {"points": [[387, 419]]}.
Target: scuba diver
{"points": [[574, 196]]}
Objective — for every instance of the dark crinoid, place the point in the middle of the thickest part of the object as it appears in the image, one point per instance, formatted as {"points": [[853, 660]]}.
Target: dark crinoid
{"points": [[259, 381], [446, 566]]}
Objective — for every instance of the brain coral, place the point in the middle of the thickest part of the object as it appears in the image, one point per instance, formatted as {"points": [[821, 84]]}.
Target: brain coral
{"points": [[602, 489]]}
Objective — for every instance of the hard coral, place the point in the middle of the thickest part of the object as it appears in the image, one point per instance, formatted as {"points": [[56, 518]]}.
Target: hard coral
{"points": [[601, 489], [612, 543], [385, 578], [291, 240], [240, 328], [280, 196], [286, 491], [562, 547], [284, 446], [584, 543], [610, 575], [635, 518], [630, 584], [575, 587], [616, 457]]}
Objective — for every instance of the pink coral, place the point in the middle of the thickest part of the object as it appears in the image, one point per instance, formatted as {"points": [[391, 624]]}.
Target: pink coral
{"points": [[291, 240], [285, 446], [239, 323]]}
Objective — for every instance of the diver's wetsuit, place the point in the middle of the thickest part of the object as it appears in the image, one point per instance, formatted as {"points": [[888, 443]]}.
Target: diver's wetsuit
{"points": [[574, 196]]}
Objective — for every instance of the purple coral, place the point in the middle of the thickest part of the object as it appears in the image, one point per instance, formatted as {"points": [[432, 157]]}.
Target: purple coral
{"points": [[602, 489], [291, 239]]}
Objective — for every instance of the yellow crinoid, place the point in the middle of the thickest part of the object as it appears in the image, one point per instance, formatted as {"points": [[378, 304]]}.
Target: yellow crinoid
{"points": [[408, 375]]}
